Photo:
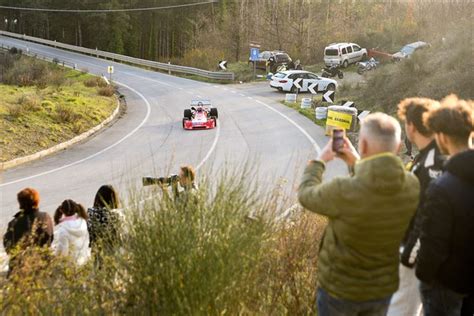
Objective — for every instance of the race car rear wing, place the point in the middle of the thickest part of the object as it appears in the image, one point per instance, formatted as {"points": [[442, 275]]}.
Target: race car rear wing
{"points": [[204, 102]]}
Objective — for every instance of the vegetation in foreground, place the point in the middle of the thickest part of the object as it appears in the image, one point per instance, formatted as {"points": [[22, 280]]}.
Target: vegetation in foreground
{"points": [[42, 105], [221, 254]]}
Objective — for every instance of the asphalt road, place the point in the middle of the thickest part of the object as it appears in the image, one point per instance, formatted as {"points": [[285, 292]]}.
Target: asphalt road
{"points": [[253, 128]]}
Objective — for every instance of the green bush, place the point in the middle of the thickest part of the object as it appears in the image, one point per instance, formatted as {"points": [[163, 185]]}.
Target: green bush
{"points": [[219, 252]]}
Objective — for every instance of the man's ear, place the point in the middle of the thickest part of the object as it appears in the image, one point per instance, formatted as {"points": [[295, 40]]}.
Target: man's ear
{"points": [[364, 147], [398, 149]]}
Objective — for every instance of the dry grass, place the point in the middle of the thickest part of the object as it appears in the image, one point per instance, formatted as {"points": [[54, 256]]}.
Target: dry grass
{"points": [[200, 258]]}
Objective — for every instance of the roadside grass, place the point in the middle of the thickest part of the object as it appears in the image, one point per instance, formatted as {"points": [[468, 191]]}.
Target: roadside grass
{"points": [[34, 117], [222, 253]]}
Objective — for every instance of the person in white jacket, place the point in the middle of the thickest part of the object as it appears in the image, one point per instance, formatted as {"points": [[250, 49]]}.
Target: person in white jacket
{"points": [[71, 238]]}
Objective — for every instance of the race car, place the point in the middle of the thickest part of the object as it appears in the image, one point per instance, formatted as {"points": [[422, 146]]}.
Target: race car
{"points": [[200, 115]]}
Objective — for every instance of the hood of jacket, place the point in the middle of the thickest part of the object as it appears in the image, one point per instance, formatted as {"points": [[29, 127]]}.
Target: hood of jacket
{"points": [[76, 227], [383, 173], [462, 166]]}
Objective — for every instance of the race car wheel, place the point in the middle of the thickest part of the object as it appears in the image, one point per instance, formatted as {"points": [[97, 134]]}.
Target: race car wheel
{"points": [[215, 121], [184, 122], [214, 112], [188, 114]]}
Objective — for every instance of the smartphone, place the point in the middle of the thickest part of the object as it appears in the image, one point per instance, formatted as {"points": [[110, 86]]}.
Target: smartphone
{"points": [[337, 139]]}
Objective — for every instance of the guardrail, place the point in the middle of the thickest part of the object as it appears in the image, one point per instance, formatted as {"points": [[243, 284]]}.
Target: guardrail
{"points": [[127, 59], [47, 58]]}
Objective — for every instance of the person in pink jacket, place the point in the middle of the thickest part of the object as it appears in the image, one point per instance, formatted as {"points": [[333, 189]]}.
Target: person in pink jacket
{"points": [[71, 237]]}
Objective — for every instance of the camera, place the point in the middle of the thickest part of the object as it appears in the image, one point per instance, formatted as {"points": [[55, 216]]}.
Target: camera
{"points": [[164, 181]]}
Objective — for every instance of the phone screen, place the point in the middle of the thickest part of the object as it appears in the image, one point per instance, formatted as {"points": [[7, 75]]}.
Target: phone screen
{"points": [[337, 139]]}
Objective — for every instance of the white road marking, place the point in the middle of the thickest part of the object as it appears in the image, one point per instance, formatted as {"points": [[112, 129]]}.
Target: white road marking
{"points": [[148, 111], [213, 147], [242, 95], [302, 130]]}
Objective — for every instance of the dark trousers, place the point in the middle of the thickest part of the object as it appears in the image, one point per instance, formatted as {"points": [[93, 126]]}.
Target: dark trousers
{"points": [[440, 301]]}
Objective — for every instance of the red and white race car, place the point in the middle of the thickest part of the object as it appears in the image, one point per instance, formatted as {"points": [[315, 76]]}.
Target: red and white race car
{"points": [[200, 116]]}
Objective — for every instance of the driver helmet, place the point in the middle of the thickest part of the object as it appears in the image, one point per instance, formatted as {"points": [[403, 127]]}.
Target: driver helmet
{"points": [[199, 107]]}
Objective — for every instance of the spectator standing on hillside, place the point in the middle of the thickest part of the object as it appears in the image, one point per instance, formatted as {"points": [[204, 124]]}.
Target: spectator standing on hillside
{"points": [[426, 166], [104, 218], [445, 263], [29, 228], [71, 238], [368, 216]]}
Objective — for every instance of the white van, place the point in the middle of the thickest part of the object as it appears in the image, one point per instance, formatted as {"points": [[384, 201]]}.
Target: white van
{"points": [[343, 54]]}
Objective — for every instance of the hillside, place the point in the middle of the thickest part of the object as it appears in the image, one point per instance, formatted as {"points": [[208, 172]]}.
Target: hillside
{"points": [[436, 72], [43, 105]]}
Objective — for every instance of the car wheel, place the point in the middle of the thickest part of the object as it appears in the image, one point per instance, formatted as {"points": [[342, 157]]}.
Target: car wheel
{"points": [[188, 114], [331, 87], [214, 113], [345, 64], [215, 121], [364, 57], [340, 75], [184, 122]]}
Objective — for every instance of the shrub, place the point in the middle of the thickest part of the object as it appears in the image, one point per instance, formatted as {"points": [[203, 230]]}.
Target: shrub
{"points": [[204, 58], [107, 91], [207, 256], [95, 82], [30, 102], [64, 114]]}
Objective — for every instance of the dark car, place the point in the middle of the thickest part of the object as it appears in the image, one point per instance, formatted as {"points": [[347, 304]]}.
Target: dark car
{"points": [[409, 49], [273, 58]]}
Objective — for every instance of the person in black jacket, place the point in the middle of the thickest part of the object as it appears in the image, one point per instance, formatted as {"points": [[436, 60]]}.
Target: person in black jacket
{"points": [[445, 263], [104, 219], [29, 228], [427, 165]]}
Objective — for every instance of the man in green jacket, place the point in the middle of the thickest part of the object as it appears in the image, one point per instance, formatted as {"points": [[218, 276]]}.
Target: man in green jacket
{"points": [[368, 214]]}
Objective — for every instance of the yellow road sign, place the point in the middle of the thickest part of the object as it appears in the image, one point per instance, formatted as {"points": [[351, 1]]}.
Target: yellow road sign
{"points": [[110, 69], [338, 119]]}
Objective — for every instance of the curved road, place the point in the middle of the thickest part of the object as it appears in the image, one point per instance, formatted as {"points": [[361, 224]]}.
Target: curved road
{"points": [[149, 140]]}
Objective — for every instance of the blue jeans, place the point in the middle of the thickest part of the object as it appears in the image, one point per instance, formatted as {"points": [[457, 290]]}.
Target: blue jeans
{"points": [[331, 306], [440, 301]]}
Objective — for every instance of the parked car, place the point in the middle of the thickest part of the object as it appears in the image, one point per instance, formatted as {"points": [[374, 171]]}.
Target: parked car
{"points": [[343, 54], [409, 49], [283, 81], [274, 59]]}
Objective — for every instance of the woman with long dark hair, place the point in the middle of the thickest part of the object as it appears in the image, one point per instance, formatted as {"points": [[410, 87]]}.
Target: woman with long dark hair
{"points": [[71, 238], [104, 218]]}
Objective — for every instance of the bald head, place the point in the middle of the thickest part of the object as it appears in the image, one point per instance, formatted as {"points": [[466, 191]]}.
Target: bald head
{"points": [[379, 133]]}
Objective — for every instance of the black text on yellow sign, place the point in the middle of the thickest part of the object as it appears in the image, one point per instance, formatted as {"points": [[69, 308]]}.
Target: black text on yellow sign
{"points": [[338, 119]]}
